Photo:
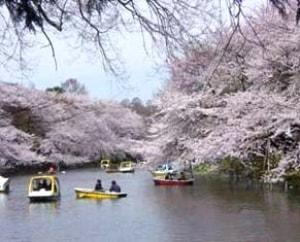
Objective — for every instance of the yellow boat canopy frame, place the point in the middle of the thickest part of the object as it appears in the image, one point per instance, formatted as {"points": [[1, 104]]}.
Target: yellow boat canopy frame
{"points": [[44, 188]]}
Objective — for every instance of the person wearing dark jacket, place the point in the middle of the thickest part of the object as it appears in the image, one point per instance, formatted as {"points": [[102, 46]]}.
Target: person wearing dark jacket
{"points": [[98, 186], [114, 187]]}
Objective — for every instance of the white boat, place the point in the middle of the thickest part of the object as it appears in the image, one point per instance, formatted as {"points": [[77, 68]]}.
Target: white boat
{"points": [[43, 188], [126, 166], [4, 184], [163, 170]]}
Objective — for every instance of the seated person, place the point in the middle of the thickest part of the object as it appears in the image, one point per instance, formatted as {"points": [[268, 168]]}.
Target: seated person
{"points": [[51, 170], [98, 186], [48, 185], [44, 185], [182, 176], [114, 187], [169, 176]]}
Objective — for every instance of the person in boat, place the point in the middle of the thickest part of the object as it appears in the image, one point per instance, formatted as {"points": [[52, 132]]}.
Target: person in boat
{"points": [[182, 176], [114, 187], [44, 185], [169, 176], [51, 170], [98, 186]]}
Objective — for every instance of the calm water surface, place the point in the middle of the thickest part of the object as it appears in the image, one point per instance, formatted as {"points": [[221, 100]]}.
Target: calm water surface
{"points": [[209, 211]]}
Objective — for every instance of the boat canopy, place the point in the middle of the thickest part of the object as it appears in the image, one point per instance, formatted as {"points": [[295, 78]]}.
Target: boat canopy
{"points": [[46, 183], [126, 164]]}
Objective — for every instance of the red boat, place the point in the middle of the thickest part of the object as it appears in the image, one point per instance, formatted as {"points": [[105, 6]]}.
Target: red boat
{"points": [[173, 182]]}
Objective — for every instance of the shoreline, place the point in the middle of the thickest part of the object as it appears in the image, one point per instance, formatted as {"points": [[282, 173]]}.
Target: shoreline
{"points": [[43, 167]]}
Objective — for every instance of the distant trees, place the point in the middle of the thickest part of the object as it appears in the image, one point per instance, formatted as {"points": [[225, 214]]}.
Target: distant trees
{"points": [[56, 89], [137, 105], [71, 85]]}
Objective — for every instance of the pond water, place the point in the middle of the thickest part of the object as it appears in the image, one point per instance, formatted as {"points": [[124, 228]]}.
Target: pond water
{"points": [[209, 211]]}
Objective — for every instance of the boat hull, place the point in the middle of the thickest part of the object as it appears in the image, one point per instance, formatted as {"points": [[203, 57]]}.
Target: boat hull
{"points": [[43, 199], [109, 170], [91, 194], [5, 188], [164, 182], [127, 170], [119, 170], [4, 184]]}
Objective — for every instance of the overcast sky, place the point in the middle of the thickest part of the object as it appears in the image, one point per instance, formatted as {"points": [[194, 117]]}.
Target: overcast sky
{"points": [[144, 78]]}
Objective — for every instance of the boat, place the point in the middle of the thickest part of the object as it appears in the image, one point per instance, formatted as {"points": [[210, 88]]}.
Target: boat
{"points": [[163, 170], [104, 164], [4, 184], [91, 193], [173, 182], [126, 167], [112, 168], [44, 188]]}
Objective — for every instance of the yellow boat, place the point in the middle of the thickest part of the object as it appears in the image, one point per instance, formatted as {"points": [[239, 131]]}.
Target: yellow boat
{"points": [[90, 193], [104, 164], [44, 188]]}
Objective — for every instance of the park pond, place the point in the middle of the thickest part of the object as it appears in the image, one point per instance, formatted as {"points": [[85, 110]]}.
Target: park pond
{"points": [[211, 210]]}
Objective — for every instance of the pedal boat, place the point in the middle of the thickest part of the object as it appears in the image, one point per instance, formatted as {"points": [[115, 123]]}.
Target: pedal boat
{"points": [[92, 194], [4, 184], [126, 167], [44, 188]]}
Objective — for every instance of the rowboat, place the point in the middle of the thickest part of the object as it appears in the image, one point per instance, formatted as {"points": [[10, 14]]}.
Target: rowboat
{"points": [[44, 188], [4, 184], [173, 182], [90, 193]]}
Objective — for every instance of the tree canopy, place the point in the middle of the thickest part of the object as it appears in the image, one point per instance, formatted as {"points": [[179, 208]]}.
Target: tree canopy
{"points": [[97, 21], [93, 21]]}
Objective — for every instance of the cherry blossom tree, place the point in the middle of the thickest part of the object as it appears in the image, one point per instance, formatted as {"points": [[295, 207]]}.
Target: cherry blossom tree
{"points": [[66, 127], [240, 103]]}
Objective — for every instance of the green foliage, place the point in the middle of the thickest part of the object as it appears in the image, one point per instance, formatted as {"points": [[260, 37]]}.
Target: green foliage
{"points": [[203, 168], [56, 89], [293, 178], [231, 165], [258, 165]]}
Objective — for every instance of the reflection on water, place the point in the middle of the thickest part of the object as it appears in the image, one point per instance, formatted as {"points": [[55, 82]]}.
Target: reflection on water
{"points": [[3, 200], [48, 207], [211, 210]]}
